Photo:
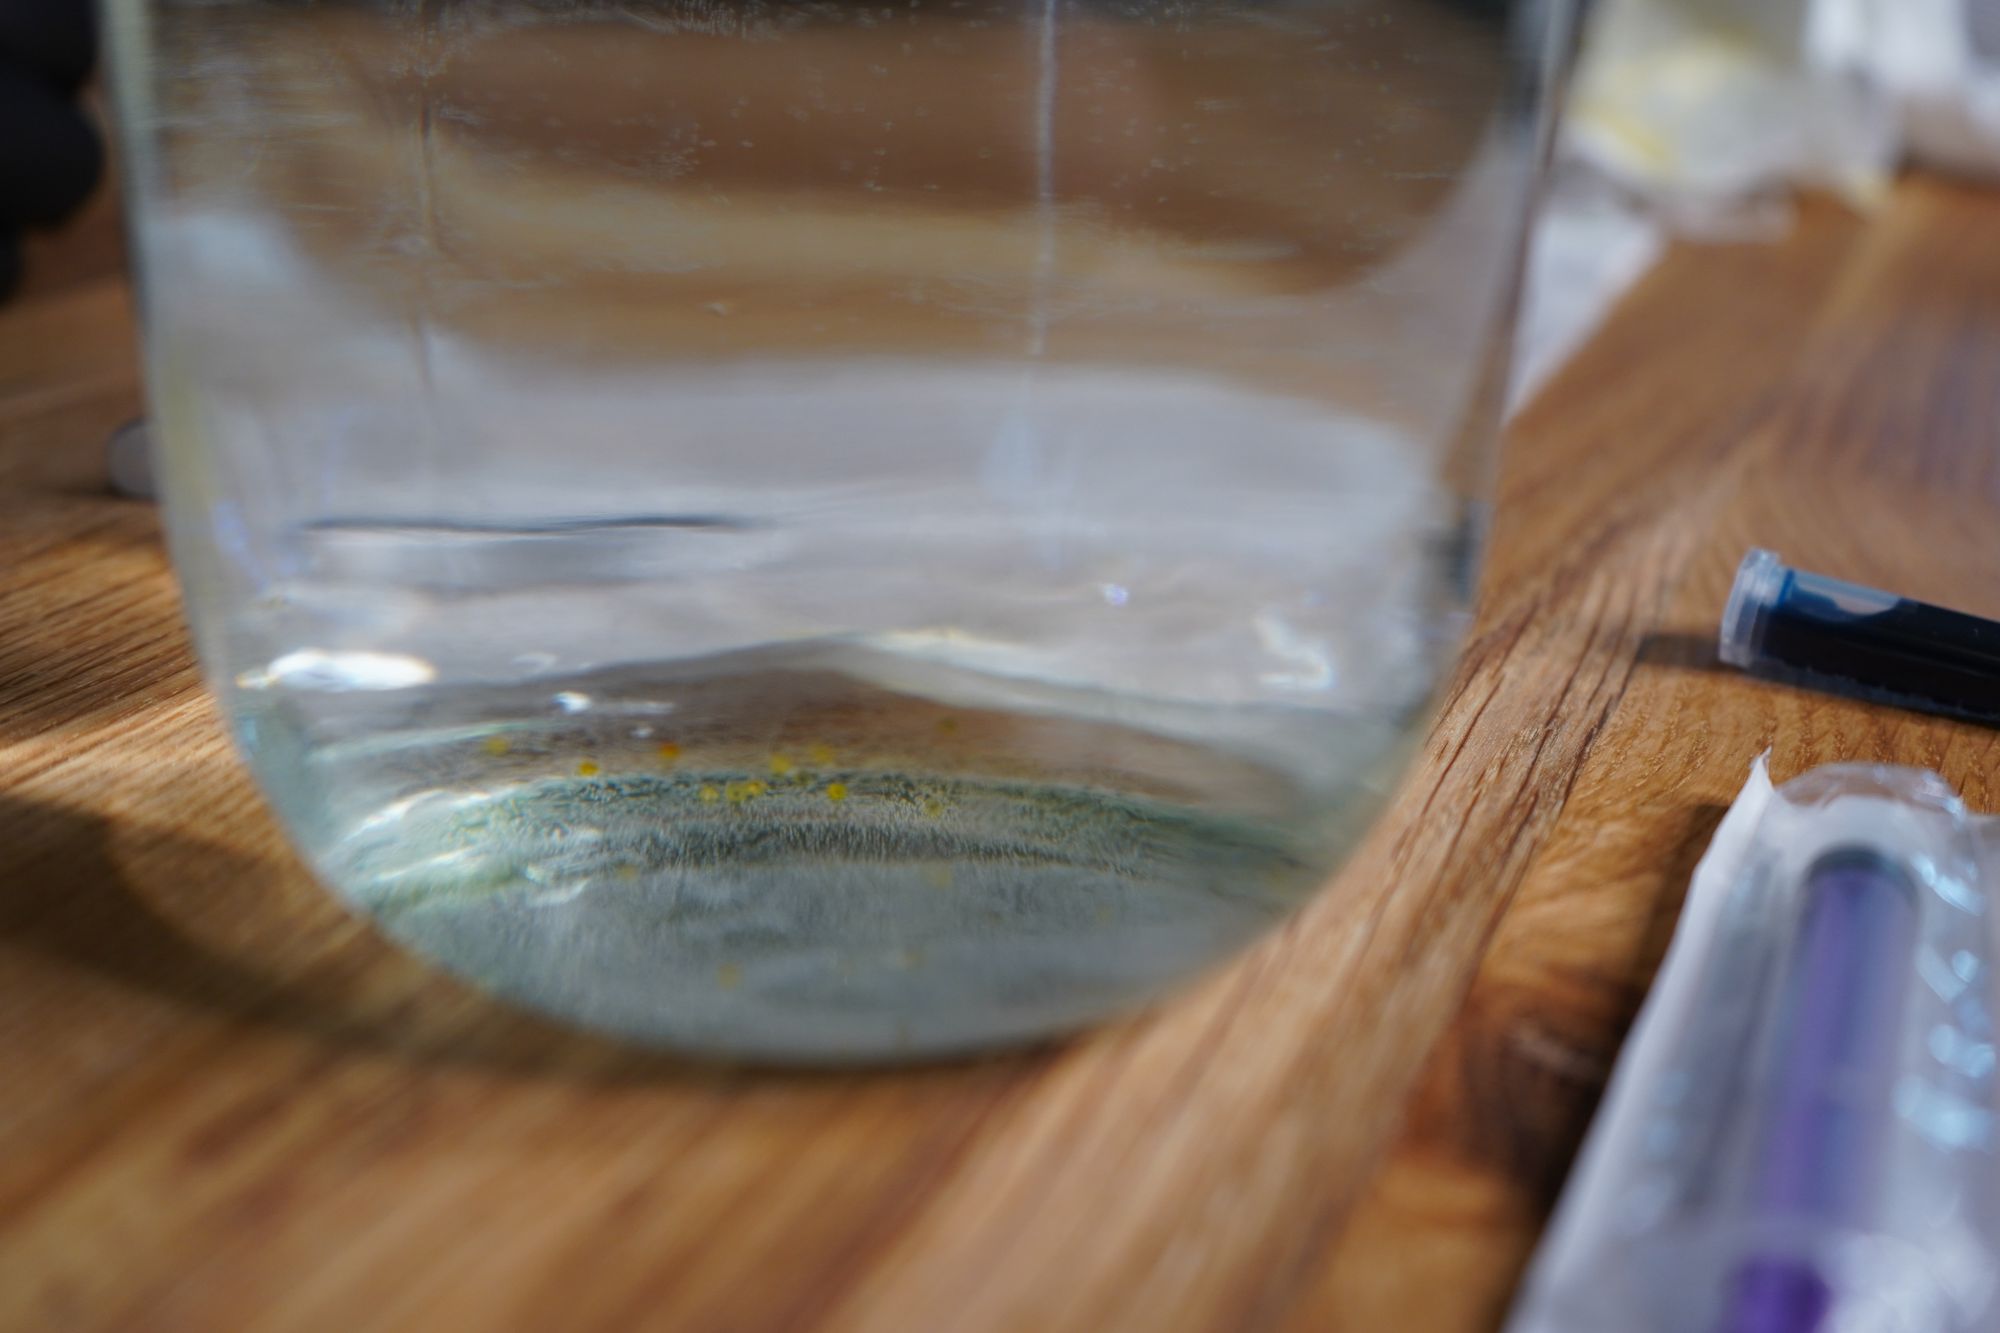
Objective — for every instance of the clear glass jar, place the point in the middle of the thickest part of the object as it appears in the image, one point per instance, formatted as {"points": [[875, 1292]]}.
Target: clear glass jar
{"points": [[827, 530]]}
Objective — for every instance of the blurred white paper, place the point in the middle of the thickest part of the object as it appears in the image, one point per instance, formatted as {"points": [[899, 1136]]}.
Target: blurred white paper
{"points": [[1702, 118], [1707, 109], [1589, 247], [1937, 61]]}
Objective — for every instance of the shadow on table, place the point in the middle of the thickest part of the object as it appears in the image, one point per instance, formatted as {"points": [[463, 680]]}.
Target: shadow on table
{"points": [[1684, 652], [72, 897], [1694, 652], [1536, 1050]]}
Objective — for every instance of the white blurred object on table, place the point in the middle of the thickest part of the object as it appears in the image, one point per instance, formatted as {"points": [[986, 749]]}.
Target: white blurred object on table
{"points": [[1701, 117]]}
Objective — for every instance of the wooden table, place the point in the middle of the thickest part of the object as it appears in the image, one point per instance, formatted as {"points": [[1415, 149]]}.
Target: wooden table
{"points": [[225, 1105]]}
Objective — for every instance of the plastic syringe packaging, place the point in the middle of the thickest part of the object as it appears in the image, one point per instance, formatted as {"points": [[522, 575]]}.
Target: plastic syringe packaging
{"points": [[1800, 1132]]}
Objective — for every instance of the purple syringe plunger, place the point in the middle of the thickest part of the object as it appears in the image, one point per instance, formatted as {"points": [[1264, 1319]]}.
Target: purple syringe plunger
{"points": [[1827, 1102]]}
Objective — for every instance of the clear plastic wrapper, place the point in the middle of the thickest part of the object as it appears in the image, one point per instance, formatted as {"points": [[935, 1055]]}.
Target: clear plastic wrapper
{"points": [[1799, 1135]]}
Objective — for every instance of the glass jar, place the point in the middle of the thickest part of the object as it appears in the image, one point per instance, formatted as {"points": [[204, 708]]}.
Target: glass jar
{"points": [[821, 530]]}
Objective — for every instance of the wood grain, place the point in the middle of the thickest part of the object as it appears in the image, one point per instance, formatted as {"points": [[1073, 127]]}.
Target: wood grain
{"points": [[224, 1104]]}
